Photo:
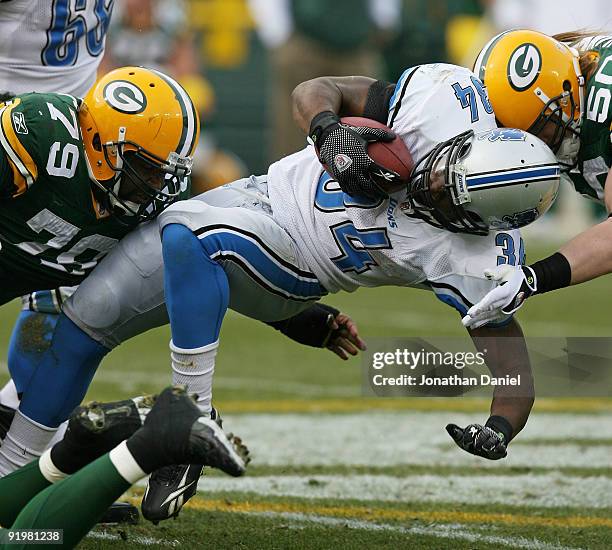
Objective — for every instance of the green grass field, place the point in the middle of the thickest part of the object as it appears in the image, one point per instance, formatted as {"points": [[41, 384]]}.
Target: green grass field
{"points": [[333, 469]]}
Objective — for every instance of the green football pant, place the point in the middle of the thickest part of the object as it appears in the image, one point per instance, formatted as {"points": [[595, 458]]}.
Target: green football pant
{"points": [[74, 504]]}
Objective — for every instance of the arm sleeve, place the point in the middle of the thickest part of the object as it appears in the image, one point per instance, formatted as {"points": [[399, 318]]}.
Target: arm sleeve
{"points": [[377, 102]]}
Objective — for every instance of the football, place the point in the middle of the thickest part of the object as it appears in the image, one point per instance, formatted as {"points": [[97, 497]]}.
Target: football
{"points": [[392, 155]]}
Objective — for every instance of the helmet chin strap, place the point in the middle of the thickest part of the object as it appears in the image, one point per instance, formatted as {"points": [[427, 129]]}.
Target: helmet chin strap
{"points": [[117, 185], [581, 85], [581, 79]]}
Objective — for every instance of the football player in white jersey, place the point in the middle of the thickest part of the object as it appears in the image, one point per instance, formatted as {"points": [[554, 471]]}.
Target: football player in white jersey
{"points": [[272, 245], [52, 46], [57, 46]]}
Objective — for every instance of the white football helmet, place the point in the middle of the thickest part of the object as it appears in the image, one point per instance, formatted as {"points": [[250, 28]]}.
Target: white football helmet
{"points": [[498, 179]]}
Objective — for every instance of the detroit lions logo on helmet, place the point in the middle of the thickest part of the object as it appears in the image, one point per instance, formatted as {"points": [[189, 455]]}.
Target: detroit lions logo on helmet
{"points": [[521, 219], [125, 97], [503, 134], [524, 66]]}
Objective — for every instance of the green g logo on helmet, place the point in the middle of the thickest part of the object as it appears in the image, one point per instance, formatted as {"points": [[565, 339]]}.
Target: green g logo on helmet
{"points": [[524, 66], [125, 97]]}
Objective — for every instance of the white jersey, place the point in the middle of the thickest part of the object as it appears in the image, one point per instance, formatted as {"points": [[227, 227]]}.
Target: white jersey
{"points": [[52, 46], [351, 242]]}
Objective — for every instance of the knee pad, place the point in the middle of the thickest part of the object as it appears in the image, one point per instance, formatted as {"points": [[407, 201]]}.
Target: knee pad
{"points": [[189, 213], [124, 295]]}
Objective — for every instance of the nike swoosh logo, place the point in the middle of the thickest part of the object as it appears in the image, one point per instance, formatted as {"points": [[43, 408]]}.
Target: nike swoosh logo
{"points": [[178, 492]]}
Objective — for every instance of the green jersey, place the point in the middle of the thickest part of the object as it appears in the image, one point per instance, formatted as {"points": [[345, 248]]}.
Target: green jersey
{"points": [[595, 154], [53, 231]]}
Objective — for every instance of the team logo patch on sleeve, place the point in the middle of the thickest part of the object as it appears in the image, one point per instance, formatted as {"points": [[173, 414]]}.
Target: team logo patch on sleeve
{"points": [[125, 97], [19, 123], [524, 66]]}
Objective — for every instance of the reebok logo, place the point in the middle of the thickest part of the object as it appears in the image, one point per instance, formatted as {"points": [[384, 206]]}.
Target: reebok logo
{"points": [[388, 176], [19, 123], [178, 492], [342, 162]]}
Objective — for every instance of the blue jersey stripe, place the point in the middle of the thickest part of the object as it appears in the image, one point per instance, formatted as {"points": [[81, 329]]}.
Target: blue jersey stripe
{"points": [[399, 85], [453, 302], [226, 244]]}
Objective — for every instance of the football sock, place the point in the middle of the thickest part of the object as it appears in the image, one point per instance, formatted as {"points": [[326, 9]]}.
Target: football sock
{"points": [[16, 490], [8, 395], [25, 441], [31, 337], [197, 297], [76, 503], [194, 368]]}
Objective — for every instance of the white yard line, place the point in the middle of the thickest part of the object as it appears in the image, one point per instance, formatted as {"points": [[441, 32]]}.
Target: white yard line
{"points": [[412, 437], [444, 531], [145, 541], [552, 490]]}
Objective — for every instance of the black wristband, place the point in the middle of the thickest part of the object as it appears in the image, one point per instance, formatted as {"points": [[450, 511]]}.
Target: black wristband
{"points": [[500, 425], [309, 327], [377, 101], [319, 123], [552, 273]]}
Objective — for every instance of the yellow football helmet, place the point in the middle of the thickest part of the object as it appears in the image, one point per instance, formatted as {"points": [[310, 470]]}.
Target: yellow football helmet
{"points": [[135, 118], [533, 79]]}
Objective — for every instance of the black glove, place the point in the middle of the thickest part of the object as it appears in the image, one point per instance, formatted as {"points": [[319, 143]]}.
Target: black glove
{"points": [[479, 440], [344, 151], [310, 327]]}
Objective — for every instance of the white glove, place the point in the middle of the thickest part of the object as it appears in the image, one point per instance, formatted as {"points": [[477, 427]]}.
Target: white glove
{"points": [[516, 284]]}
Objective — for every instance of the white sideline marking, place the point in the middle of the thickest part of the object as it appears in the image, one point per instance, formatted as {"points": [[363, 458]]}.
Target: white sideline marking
{"points": [[145, 541], [413, 437], [552, 490], [445, 531]]}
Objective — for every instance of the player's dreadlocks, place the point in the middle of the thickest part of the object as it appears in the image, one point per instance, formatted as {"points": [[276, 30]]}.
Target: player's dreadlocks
{"points": [[588, 58]]}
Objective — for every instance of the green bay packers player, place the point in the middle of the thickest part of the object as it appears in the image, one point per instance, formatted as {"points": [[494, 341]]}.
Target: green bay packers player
{"points": [[77, 175], [559, 88], [46, 47]]}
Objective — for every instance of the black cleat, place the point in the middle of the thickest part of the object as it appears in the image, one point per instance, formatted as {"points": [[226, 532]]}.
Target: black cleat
{"points": [[205, 444], [121, 512], [6, 418], [96, 428], [168, 489]]}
